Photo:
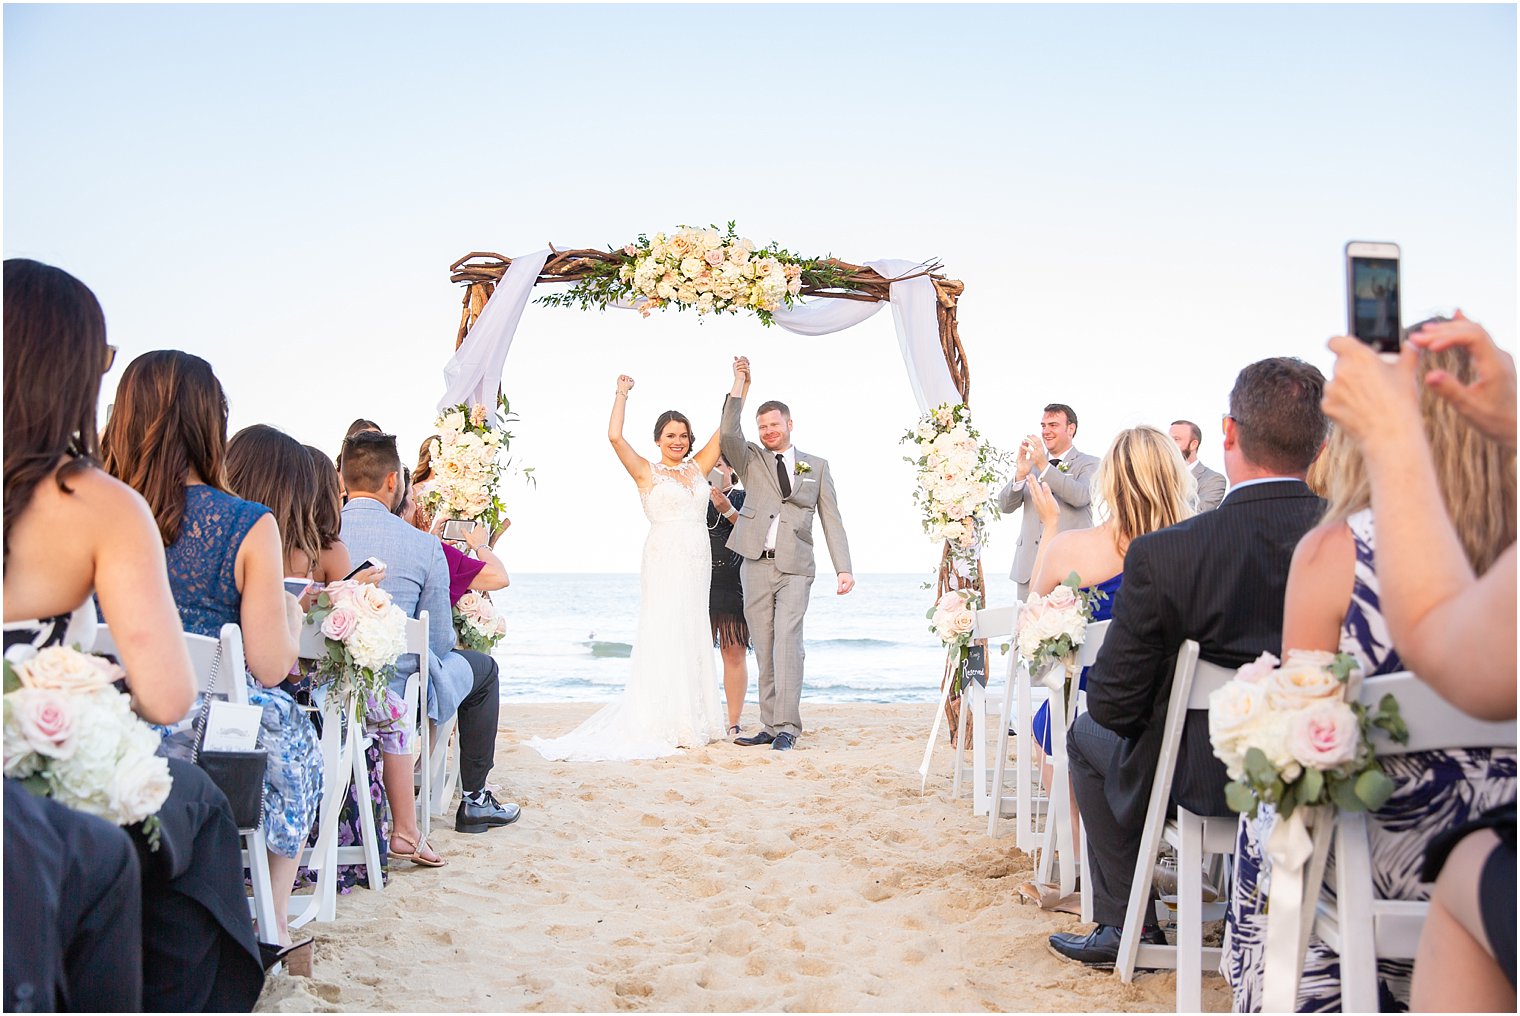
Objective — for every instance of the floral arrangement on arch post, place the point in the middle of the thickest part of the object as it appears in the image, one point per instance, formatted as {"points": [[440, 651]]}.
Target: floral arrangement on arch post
{"points": [[1288, 738], [70, 735], [953, 618], [467, 466], [711, 271], [365, 634], [477, 623], [958, 473]]}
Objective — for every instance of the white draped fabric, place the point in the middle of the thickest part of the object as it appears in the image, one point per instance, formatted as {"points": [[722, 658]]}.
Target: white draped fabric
{"points": [[475, 371]]}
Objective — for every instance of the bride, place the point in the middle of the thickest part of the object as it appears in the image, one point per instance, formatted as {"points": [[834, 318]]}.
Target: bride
{"points": [[671, 699]]}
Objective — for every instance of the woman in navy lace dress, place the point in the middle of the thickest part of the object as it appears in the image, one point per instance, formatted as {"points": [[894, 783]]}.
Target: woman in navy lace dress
{"points": [[1332, 603], [167, 439]]}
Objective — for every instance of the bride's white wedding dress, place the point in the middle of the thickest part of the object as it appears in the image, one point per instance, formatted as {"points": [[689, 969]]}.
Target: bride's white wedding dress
{"points": [[671, 699]]}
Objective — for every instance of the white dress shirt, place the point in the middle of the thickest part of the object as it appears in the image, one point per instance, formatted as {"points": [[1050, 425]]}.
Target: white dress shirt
{"points": [[790, 458]]}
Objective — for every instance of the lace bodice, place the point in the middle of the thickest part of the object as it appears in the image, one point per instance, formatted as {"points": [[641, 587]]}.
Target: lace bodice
{"points": [[201, 562], [678, 494]]}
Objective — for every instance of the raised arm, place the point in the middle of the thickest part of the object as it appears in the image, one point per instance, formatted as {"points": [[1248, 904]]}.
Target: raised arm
{"points": [[730, 435], [1046, 560], [707, 458], [494, 574], [636, 464]]}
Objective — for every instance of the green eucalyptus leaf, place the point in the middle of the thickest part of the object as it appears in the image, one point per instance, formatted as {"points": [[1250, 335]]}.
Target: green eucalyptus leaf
{"points": [[12, 679], [1343, 795], [37, 785], [1342, 666], [1260, 768], [1285, 805], [1239, 797], [1374, 788], [1310, 784]]}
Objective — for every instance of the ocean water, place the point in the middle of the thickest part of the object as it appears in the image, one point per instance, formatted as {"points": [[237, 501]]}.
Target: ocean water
{"points": [[570, 639]]}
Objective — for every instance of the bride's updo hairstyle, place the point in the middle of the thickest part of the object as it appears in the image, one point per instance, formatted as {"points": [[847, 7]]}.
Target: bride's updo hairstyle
{"points": [[170, 419], [673, 416], [55, 353]]}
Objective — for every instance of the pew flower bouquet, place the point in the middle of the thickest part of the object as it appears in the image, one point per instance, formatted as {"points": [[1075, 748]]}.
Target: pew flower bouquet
{"points": [[365, 634], [1289, 738], [1052, 626], [952, 618], [477, 625], [70, 735]]}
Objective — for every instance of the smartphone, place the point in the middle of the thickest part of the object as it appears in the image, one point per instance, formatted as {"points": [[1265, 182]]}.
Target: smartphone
{"points": [[455, 529], [368, 562], [1372, 294], [297, 587]]}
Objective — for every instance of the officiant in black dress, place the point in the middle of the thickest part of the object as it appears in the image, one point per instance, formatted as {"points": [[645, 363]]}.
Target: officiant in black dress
{"points": [[725, 604]]}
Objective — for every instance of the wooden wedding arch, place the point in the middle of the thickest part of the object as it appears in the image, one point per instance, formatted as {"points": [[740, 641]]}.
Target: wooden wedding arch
{"points": [[480, 271]]}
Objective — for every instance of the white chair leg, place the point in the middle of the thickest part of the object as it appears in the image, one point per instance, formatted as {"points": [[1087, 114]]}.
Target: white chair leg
{"points": [[1189, 912], [424, 803], [1087, 892], [1353, 897], [1000, 763], [364, 792], [1139, 899], [976, 695], [262, 903], [1021, 770]]}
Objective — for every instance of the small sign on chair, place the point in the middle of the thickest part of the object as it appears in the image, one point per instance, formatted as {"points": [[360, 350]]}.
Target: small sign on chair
{"points": [[976, 665]]}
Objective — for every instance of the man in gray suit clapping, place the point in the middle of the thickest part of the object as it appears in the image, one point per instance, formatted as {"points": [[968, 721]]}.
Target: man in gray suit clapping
{"points": [[785, 489], [1052, 458]]}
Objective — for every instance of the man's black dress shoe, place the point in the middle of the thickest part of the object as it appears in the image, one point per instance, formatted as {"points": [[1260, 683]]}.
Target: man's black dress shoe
{"points": [[784, 741], [488, 813], [1099, 947], [758, 737]]}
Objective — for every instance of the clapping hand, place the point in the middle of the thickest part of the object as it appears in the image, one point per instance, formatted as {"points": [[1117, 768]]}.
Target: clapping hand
{"points": [[1045, 504], [721, 502]]}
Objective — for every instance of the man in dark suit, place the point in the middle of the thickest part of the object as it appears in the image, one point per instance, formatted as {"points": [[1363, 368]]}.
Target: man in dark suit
{"points": [[1218, 578]]}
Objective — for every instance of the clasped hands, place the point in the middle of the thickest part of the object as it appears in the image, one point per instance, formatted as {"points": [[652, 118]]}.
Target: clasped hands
{"points": [[1032, 457]]}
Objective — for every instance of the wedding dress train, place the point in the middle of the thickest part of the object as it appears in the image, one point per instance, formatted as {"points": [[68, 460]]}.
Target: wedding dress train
{"points": [[671, 699]]}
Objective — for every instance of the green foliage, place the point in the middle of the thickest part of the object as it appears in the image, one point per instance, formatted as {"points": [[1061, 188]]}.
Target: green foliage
{"points": [[1373, 788], [1241, 798], [12, 681], [1342, 667]]}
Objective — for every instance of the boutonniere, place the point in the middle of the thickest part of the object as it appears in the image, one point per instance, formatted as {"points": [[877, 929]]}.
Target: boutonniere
{"points": [[1064, 467], [802, 468]]}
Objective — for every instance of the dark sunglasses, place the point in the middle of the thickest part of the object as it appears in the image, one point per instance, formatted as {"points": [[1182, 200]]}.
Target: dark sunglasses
{"points": [[110, 357]]}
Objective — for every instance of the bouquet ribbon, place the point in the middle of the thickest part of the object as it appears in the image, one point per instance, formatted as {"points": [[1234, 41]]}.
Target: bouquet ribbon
{"points": [[1292, 901]]}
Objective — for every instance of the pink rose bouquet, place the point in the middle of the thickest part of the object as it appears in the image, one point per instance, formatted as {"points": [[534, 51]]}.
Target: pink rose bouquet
{"points": [[1289, 738], [477, 625], [365, 634], [70, 735]]}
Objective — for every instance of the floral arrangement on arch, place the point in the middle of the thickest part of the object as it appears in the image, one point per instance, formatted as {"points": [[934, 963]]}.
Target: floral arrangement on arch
{"points": [[365, 634], [477, 624], [70, 735], [467, 466], [953, 618], [711, 271], [1289, 738], [958, 473]]}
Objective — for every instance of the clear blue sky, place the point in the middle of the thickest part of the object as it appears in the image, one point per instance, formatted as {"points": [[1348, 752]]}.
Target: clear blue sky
{"points": [[1140, 200]]}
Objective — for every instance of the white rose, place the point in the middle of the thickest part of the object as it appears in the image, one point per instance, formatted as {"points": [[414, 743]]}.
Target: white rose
{"points": [[59, 668], [83, 780], [452, 421], [1302, 682], [692, 267], [1234, 711], [962, 621], [138, 788], [925, 430]]}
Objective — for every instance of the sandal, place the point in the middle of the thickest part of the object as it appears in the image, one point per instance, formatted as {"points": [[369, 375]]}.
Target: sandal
{"points": [[734, 731], [415, 855], [296, 956]]}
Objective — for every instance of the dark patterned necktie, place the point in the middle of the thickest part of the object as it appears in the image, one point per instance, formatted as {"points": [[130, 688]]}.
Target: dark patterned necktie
{"points": [[1055, 462], [781, 477]]}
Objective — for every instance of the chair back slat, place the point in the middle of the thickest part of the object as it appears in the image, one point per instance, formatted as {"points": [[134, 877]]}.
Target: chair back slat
{"points": [[1434, 724], [1207, 679], [1087, 652], [203, 650], [995, 622]]}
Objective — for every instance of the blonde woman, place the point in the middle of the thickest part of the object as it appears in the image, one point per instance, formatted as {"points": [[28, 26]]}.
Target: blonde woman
{"points": [[1333, 603], [1143, 485]]}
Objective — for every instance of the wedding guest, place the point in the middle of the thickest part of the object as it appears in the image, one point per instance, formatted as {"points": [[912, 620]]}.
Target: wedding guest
{"points": [[1211, 485], [1456, 631], [1333, 604], [300, 489], [184, 929], [1052, 458], [167, 439], [725, 601], [1217, 578], [422, 480], [359, 426], [483, 573], [417, 578]]}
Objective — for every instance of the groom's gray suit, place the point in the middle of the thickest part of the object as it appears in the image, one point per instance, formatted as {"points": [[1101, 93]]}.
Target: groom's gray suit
{"points": [[776, 587]]}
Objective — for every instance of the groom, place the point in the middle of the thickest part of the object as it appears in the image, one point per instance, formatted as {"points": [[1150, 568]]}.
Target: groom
{"points": [[774, 534]]}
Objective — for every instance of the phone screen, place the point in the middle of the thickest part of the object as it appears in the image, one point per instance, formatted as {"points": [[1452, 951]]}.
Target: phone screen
{"points": [[1375, 302], [295, 587]]}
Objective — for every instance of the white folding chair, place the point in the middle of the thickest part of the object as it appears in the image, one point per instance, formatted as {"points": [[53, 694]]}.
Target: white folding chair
{"points": [[977, 711], [1058, 818], [220, 669], [343, 745], [443, 767], [1394, 925], [1017, 707], [1191, 835]]}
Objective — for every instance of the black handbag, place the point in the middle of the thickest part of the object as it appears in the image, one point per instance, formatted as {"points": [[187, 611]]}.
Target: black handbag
{"points": [[239, 774]]}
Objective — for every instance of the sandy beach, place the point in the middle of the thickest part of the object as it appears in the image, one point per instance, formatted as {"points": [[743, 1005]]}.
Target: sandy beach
{"points": [[722, 879]]}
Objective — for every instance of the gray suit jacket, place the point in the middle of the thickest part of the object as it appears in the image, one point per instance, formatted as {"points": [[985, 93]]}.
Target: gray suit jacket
{"points": [[1211, 486], [1073, 492], [417, 577], [812, 493]]}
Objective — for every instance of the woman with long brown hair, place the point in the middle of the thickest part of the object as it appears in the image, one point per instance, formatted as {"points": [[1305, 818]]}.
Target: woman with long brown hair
{"points": [[72, 530], [167, 439]]}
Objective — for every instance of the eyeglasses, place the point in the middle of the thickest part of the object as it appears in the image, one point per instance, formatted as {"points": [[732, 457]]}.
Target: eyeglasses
{"points": [[110, 358]]}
